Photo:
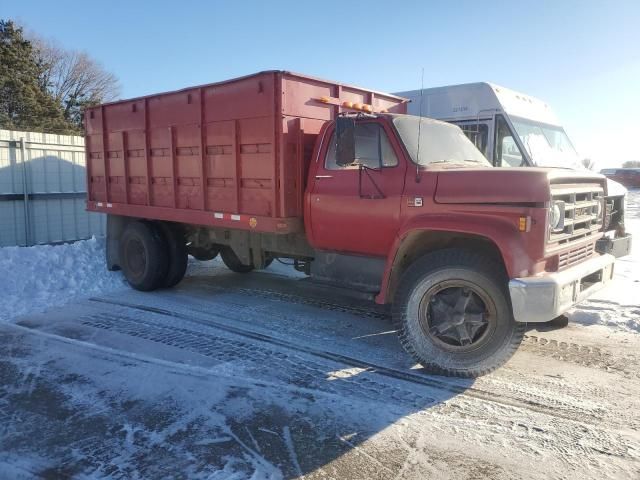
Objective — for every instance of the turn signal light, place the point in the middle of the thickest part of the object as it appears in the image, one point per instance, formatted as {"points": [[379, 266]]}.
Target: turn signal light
{"points": [[524, 224]]}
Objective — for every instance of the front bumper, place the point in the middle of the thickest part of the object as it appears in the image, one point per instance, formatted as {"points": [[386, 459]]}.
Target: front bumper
{"points": [[540, 299]]}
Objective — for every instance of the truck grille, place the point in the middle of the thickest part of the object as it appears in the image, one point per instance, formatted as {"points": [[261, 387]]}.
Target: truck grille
{"points": [[577, 255], [581, 218]]}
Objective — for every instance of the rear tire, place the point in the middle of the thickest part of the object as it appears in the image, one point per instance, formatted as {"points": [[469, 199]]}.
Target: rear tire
{"points": [[177, 255], [454, 316], [143, 256], [232, 261]]}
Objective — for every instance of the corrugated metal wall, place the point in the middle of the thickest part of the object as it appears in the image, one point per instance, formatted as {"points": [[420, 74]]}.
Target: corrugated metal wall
{"points": [[43, 190]]}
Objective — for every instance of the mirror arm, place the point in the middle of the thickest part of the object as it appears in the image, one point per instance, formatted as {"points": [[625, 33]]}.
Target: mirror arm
{"points": [[366, 169], [380, 146]]}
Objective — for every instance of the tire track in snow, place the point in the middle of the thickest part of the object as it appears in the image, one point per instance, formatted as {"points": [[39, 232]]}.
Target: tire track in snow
{"points": [[587, 356], [584, 355], [554, 410]]}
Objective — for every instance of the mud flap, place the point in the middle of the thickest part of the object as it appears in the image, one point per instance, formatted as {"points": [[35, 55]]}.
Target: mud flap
{"points": [[115, 226]]}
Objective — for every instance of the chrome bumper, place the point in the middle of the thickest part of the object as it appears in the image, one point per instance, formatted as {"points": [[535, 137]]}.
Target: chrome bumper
{"points": [[540, 299]]}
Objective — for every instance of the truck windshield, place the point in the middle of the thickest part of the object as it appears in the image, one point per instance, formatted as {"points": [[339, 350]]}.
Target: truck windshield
{"points": [[429, 141], [548, 145]]}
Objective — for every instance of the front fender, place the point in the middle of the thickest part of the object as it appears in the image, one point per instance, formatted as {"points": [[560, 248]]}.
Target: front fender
{"points": [[499, 228]]}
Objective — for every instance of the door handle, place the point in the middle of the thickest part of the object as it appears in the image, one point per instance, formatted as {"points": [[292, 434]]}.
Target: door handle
{"points": [[324, 176]]}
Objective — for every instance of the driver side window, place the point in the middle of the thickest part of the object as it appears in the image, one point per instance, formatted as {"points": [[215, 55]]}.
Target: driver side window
{"points": [[372, 144], [507, 153]]}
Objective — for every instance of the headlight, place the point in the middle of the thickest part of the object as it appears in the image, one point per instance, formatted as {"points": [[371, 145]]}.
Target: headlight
{"points": [[599, 208], [556, 216]]}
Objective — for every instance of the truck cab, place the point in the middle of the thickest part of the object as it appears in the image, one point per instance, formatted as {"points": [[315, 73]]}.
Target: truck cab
{"points": [[516, 130], [410, 206]]}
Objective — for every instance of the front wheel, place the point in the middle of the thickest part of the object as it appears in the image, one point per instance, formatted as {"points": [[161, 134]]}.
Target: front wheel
{"points": [[454, 316]]}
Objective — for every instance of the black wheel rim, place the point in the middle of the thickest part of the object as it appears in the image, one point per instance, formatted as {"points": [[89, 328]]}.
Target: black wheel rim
{"points": [[136, 257], [457, 315]]}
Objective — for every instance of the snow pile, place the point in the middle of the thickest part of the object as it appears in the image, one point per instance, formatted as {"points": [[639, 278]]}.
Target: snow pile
{"points": [[618, 306], [35, 278]]}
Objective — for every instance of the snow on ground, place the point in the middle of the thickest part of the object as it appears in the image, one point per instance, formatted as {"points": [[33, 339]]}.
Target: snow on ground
{"points": [[44, 276], [250, 377], [260, 377], [39, 277]]}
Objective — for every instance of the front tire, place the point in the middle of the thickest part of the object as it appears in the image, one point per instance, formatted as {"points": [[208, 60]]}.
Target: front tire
{"points": [[143, 257], [454, 316]]}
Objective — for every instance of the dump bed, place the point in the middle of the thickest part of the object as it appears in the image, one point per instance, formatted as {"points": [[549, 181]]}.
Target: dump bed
{"points": [[233, 153]]}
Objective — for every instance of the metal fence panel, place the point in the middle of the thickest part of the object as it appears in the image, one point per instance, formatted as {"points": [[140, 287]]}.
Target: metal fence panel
{"points": [[51, 169]]}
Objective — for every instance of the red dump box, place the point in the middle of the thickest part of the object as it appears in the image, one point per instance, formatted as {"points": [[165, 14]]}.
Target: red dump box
{"points": [[233, 153]]}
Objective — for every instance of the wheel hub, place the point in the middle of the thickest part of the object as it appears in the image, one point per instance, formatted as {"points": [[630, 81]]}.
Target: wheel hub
{"points": [[136, 257], [456, 316]]}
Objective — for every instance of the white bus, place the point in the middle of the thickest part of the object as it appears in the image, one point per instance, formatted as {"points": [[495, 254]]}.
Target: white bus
{"points": [[511, 129]]}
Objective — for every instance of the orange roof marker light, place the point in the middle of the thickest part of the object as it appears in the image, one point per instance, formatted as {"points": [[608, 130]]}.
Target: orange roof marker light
{"points": [[363, 107]]}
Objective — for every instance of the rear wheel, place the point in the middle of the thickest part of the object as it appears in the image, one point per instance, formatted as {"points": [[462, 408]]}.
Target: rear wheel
{"points": [[454, 315], [177, 255], [232, 261], [143, 258]]}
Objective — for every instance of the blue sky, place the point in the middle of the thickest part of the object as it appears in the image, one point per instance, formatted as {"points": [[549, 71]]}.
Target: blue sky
{"points": [[582, 57]]}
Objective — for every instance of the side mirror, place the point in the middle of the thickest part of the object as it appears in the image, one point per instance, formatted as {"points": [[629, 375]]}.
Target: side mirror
{"points": [[345, 141]]}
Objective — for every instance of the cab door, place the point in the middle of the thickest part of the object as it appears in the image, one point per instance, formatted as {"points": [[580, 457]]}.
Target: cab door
{"points": [[356, 208]]}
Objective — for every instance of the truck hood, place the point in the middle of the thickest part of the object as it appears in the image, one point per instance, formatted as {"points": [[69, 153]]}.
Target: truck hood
{"points": [[506, 185], [614, 189]]}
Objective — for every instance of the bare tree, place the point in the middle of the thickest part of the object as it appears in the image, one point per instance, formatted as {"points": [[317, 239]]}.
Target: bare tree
{"points": [[588, 163], [631, 164], [74, 79]]}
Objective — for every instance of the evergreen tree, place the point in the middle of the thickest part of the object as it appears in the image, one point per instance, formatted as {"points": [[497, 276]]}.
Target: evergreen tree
{"points": [[25, 104]]}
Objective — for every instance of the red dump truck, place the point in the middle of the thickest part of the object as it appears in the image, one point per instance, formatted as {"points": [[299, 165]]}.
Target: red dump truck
{"points": [[358, 194]]}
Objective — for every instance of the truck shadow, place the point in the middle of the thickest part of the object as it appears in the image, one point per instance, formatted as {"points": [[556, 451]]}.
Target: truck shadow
{"points": [[374, 388]]}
